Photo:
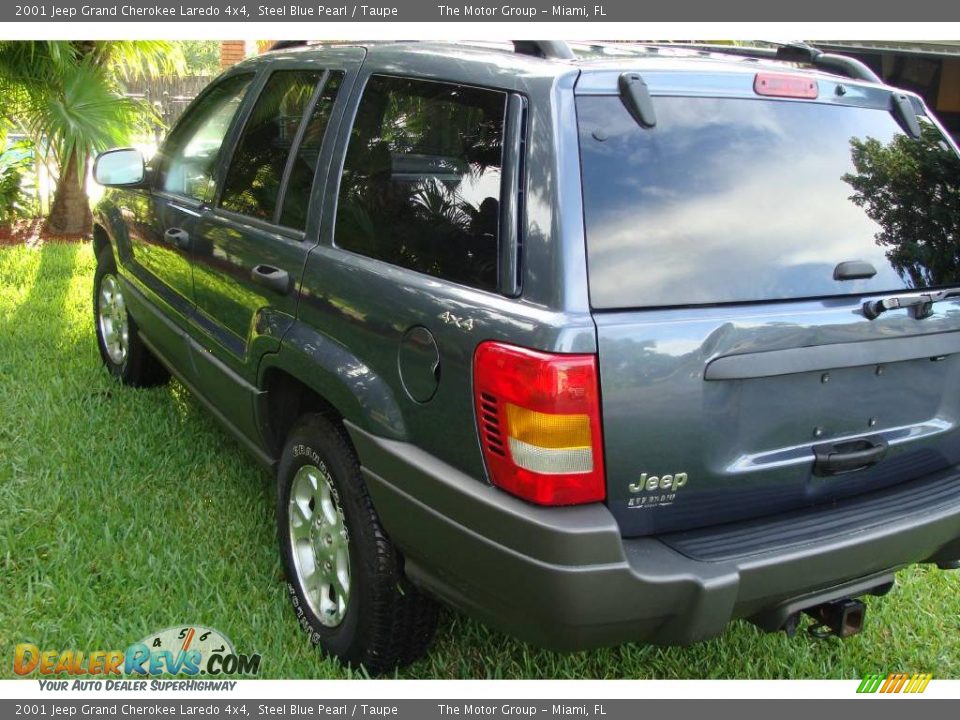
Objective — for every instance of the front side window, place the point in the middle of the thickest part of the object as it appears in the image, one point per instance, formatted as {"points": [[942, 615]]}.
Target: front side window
{"points": [[421, 180], [254, 181], [195, 145]]}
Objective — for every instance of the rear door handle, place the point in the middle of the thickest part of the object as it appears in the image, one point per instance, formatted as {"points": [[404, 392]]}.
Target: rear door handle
{"points": [[177, 237], [848, 456], [272, 278]]}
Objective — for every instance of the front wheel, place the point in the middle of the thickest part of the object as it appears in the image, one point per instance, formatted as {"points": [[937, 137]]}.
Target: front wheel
{"points": [[345, 578], [124, 353]]}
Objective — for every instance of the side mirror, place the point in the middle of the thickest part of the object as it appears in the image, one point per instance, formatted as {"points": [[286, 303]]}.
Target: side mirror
{"points": [[122, 167]]}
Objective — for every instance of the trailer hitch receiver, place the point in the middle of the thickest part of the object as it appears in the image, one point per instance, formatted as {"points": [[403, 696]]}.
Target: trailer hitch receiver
{"points": [[841, 618]]}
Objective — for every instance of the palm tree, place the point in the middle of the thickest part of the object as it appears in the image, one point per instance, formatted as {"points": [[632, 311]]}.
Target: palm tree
{"points": [[66, 97]]}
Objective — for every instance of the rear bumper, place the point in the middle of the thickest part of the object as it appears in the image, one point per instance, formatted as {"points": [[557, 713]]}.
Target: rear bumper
{"points": [[563, 578]]}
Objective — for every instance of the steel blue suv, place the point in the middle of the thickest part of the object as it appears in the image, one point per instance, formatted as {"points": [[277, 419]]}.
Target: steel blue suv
{"points": [[598, 344]]}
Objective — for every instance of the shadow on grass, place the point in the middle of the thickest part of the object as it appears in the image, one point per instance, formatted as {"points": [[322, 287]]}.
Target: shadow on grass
{"points": [[48, 290]]}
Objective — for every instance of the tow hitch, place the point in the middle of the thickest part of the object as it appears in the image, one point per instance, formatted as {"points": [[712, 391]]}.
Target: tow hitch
{"points": [[842, 618], [837, 611]]}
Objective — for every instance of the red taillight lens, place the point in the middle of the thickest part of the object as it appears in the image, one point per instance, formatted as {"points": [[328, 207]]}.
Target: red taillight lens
{"points": [[539, 420], [783, 85]]}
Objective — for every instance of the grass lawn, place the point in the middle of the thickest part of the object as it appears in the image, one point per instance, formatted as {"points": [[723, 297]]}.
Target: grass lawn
{"points": [[127, 511]]}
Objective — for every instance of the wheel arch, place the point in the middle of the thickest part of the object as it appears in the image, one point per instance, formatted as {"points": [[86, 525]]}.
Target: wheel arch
{"points": [[313, 373], [100, 239], [110, 228], [286, 399]]}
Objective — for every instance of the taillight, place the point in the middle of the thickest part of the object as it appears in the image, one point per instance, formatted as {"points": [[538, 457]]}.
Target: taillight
{"points": [[539, 420], [784, 85]]}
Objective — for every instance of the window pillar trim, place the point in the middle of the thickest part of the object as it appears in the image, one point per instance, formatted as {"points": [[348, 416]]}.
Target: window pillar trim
{"points": [[511, 193], [295, 145]]}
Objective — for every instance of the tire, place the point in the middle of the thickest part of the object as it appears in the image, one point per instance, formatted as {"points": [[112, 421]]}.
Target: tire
{"points": [[123, 352], [384, 623]]}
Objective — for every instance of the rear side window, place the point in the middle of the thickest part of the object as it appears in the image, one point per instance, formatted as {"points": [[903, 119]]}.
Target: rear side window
{"points": [[191, 154], [256, 176], [421, 180], [730, 200]]}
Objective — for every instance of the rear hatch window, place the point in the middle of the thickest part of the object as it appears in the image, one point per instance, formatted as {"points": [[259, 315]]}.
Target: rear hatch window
{"points": [[738, 200]]}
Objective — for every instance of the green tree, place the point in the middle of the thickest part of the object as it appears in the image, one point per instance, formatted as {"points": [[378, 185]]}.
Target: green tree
{"points": [[66, 96], [201, 57], [911, 189], [14, 162]]}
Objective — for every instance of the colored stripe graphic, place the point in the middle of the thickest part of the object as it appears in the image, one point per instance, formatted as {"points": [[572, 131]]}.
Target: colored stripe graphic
{"points": [[923, 679], [895, 683]]}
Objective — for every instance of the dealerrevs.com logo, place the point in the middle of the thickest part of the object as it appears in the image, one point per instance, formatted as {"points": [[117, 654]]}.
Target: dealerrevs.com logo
{"points": [[190, 650]]}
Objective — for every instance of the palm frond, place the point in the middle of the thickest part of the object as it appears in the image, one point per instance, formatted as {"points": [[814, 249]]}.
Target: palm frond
{"points": [[132, 59], [87, 116]]}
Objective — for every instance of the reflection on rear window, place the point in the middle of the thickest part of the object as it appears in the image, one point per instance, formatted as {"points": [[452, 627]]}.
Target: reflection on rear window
{"points": [[732, 200]]}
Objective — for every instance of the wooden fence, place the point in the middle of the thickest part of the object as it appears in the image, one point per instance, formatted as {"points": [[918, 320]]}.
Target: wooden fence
{"points": [[169, 95]]}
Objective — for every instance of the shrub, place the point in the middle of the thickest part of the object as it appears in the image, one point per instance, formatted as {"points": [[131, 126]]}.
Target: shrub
{"points": [[15, 161]]}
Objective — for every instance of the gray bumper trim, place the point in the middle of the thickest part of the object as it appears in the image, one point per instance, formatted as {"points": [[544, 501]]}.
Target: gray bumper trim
{"points": [[563, 578]]}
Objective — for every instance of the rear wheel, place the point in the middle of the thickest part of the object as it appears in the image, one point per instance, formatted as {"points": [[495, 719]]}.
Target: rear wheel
{"points": [[345, 578], [123, 351]]}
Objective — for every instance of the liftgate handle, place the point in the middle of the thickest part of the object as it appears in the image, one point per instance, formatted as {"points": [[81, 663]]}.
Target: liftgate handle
{"points": [[848, 456]]}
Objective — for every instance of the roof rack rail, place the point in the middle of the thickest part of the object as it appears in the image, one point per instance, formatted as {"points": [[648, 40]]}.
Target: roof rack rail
{"points": [[549, 49], [796, 53], [287, 44], [841, 64]]}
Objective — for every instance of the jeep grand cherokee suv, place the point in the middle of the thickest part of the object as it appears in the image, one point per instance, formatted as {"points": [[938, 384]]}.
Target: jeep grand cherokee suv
{"points": [[598, 346]]}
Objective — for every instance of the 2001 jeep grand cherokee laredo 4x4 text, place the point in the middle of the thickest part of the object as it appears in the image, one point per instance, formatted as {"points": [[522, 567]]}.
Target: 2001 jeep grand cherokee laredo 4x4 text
{"points": [[598, 346]]}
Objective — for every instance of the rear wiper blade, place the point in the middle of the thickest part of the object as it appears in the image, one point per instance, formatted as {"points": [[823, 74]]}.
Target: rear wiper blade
{"points": [[920, 306]]}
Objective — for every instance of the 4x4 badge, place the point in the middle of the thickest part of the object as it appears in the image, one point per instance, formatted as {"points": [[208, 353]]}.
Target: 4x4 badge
{"points": [[450, 319]]}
